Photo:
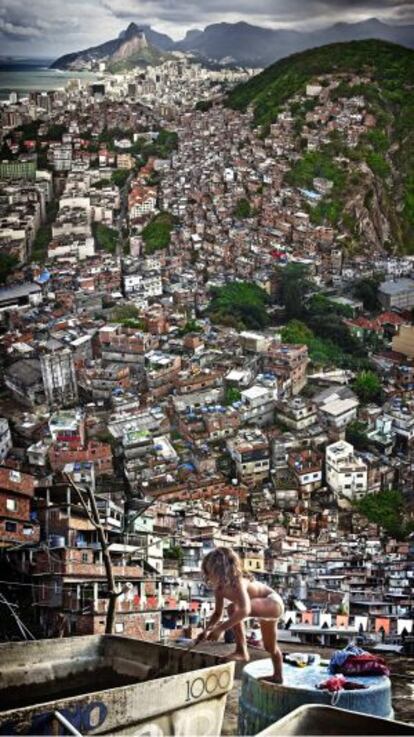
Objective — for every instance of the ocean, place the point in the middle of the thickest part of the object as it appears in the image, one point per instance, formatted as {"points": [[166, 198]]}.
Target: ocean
{"points": [[26, 76]]}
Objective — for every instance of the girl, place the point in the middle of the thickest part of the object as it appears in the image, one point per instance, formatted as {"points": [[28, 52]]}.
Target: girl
{"points": [[222, 571]]}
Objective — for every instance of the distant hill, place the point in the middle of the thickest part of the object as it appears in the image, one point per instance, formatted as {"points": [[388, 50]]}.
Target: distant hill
{"points": [[134, 47], [240, 43], [245, 44], [381, 195]]}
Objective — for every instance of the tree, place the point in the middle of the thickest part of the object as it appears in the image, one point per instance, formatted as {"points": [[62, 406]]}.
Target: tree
{"points": [[106, 238], [240, 303], [294, 286], [119, 177], [242, 209], [368, 387], [356, 434], [174, 553], [8, 263], [125, 314], [387, 510], [367, 291], [232, 395], [297, 332], [157, 234]]}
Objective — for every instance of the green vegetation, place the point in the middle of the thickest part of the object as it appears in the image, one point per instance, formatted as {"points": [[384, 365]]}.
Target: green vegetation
{"points": [[161, 148], [294, 287], [157, 234], [191, 326], [231, 395], [101, 183], [317, 322], [368, 387], [322, 352], [106, 238], [242, 209], [239, 304], [386, 509], [321, 164], [8, 263], [127, 315], [204, 105], [390, 98], [320, 304], [44, 234], [366, 290], [316, 164], [174, 552], [269, 90], [356, 434], [119, 177]]}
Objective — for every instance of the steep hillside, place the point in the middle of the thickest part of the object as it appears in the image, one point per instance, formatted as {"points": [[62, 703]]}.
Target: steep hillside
{"points": [[133, 47], [378, 190]]}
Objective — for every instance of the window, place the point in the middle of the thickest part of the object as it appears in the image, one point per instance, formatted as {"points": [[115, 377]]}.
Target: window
{"points": [[149, 626], [119, 627], [85, 557], [11, 526], [11, 505]]}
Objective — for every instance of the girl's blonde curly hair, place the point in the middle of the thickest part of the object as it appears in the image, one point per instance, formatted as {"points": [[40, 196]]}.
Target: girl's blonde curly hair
{"points": [[223, 565]]}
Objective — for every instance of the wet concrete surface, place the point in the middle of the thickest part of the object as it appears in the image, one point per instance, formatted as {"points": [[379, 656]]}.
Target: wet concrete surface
{"points": [[402, 679]]}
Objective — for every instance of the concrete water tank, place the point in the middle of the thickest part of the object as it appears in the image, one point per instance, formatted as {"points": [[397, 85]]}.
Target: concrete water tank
{"points": [[262, 703], [328, 720]]}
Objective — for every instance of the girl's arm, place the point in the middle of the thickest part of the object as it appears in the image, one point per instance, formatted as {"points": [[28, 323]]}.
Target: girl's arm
{"points": [[218, 610], [242, 608], [215, 617]]}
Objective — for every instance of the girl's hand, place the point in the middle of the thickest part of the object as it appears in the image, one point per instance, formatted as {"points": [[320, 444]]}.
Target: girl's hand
{"points": [[214, 634], [202, 636]]}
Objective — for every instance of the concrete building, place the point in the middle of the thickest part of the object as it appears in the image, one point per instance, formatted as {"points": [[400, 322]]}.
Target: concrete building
{"points": [[397, 293], [5, 438], [24, 379], [59, 378], [250, 452], [403, 342], [346, 473], [297, 413], [258, 405]]}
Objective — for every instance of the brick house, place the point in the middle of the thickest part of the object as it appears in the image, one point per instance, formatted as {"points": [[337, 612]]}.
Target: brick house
{"points": [[70, 581], [16, 494]]}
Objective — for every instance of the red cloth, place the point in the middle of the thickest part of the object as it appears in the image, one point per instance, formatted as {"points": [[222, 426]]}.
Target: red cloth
{"points": [[336, 683], [365, 665]]}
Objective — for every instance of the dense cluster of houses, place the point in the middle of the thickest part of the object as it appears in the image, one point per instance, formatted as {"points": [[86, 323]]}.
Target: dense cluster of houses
{"points": [[189, 434]]}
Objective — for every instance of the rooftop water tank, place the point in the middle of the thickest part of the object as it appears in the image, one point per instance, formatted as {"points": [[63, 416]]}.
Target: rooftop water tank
{"points": [[262, 703]]}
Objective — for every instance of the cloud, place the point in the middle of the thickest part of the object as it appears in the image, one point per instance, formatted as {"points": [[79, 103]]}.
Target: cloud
{"points": [[50, 27], [268, 12]]}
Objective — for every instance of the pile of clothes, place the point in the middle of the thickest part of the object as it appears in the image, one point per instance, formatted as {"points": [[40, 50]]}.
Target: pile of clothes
{"points": [[353, 661]]}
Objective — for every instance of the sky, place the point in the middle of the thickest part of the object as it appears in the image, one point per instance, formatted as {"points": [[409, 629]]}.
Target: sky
{"points": [[48, 28]]}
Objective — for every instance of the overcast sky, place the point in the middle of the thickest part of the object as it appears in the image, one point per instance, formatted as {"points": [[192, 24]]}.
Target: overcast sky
{"points": [[51, 27]]}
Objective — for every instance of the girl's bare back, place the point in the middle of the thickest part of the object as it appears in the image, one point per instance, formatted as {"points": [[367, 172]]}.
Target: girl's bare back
{"points": [[254, 590]]}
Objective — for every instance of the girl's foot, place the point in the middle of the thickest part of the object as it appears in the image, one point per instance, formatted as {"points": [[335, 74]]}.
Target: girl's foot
{"points": [[272, 679], [239, 655]]}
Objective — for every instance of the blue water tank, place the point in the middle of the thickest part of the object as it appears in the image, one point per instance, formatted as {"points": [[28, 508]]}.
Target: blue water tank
{"points": [[262, 703]]}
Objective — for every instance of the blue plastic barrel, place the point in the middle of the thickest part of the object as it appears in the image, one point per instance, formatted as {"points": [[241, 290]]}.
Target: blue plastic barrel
{"points": [[262, 703]]}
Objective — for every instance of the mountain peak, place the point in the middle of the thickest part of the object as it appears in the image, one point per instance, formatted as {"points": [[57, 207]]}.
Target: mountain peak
{"points": [[132, 31]]}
